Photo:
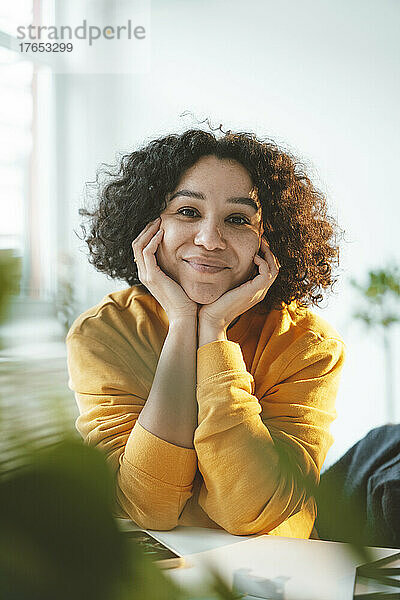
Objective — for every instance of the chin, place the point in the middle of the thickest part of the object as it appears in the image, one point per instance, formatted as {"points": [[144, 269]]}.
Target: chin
{"points": [[202, 294]]}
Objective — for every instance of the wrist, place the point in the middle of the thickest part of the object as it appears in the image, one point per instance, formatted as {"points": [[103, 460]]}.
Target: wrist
{"points": [[210, 333], [183, 321]]}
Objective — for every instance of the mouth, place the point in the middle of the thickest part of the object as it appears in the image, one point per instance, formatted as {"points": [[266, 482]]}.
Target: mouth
{"points": [[204, 268]]}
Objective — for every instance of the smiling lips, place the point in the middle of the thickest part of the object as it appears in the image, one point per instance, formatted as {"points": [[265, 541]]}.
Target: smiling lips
{"points": [[204, 266]]}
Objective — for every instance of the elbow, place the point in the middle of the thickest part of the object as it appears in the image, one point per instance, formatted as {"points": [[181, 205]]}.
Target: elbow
{"points": [[236, 527], [240, 529], [145, 516], [148, 519], [155, 521], [264, 519], [260, 525]]}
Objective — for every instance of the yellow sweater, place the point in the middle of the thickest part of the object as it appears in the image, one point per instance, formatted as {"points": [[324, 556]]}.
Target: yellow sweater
{"points": [[266, 393]]}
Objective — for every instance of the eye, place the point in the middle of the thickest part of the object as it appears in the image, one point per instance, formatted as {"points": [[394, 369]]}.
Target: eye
{"points": [[240, 220], [187, 212], [191, 213]]}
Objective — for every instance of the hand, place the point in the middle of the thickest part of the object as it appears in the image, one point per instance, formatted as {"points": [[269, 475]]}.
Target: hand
{"points": [[165, 290], [232, 304]]}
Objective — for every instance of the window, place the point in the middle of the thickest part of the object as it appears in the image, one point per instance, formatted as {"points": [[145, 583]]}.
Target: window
{"points": [[25, 130], [16, 148]]}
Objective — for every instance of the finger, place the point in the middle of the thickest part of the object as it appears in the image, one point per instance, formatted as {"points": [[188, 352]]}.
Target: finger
{"points": [[266, 272], [274, 258], [263, 266], [264, 279], [143, 239], [271, 259], [146, 234], [149, 258], [266, 254]]}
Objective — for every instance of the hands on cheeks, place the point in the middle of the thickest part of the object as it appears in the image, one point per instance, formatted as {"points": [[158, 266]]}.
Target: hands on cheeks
{"points": [[235, 302], [215, 317]]}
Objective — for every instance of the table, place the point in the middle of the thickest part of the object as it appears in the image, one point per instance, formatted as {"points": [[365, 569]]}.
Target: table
{"points": [[264, 566]]}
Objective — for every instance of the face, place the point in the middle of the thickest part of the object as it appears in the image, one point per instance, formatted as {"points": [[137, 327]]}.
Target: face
{"points": [[212, 229]]}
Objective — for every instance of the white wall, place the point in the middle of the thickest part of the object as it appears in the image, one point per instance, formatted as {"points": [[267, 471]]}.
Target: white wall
{"points": [[319, 76]]}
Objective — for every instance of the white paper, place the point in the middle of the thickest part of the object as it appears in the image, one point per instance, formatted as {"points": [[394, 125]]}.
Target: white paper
{"points": [[278, 568]]}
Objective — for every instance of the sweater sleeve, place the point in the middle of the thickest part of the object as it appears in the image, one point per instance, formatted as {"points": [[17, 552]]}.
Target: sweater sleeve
{"points": [[257, 457], [153, 478]]}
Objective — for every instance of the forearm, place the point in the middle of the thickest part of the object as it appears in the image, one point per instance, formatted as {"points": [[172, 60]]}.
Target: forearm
{"points": [[241, 483], [267, 467], [170, 411]]}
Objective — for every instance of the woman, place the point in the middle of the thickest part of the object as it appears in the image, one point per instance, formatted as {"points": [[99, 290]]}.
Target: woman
{"points": [[208, 383]]}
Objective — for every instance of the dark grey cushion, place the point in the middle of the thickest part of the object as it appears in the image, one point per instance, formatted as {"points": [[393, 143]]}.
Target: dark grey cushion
{"points": [[359, 496]]}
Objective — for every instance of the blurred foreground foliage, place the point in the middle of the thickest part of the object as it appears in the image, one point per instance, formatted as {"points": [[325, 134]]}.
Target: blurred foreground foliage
{"points": [[58, 535], [10, 274]]}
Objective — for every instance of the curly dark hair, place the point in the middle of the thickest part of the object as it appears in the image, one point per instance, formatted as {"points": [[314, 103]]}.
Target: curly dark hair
{"points": [[297, 227]]}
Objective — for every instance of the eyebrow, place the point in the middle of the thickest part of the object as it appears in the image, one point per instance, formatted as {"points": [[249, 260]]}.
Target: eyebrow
{"points": [[236, 200]]}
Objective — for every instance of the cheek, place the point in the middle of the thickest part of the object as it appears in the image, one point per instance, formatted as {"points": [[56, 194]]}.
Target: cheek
{"points": [[177, 231], [174, 236], [249, 246]]}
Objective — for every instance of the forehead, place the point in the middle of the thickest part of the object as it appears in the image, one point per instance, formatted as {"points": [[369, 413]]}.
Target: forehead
{"points": [[218, 171], [221, 178]]}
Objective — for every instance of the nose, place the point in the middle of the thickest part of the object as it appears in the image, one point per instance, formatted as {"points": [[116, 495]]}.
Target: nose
{"points": [[209, 236]]}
